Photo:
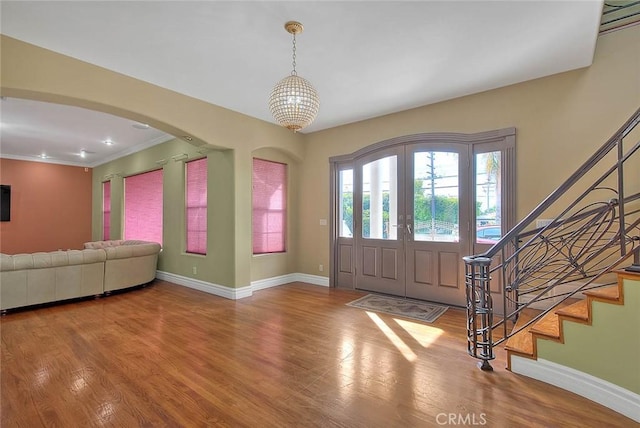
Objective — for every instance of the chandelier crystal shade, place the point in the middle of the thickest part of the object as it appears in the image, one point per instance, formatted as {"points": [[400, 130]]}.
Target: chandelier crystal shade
{"points": [[294, 102]]}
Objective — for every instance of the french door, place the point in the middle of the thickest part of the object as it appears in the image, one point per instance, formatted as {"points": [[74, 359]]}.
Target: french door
{"points": [[406, 210], [409, 203]]}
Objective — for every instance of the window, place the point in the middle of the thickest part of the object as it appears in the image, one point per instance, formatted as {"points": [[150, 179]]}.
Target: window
{"points": [[380, 198], [488, 197], [436, 199], [269, 206], [143, 206], [196, 179], [345, 201], [106, 210]]}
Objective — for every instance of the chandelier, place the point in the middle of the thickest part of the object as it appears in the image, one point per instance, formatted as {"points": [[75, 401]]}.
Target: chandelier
{"points": [[294, 103]]}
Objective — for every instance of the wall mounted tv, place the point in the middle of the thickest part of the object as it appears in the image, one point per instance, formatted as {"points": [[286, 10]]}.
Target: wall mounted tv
{"points": [[5, 202]]}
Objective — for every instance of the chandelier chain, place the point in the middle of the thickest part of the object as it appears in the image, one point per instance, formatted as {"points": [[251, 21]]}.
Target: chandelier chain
{"points": [[294, 102], [294, 72]]}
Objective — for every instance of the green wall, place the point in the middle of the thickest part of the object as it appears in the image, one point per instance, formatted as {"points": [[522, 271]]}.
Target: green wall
{"points": [[218, 265], [560, 120], [608, 349]]}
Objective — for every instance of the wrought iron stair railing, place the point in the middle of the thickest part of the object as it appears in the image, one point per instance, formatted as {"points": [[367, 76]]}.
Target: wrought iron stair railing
{"points": [[593, 228]]}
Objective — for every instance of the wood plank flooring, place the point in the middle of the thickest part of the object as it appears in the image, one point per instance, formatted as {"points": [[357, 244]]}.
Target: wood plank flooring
{"points": [[293, 355]]}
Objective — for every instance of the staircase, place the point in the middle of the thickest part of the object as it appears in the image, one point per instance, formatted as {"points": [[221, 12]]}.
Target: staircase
{"points": [[554, 271], [551, 326], [593, 380]]}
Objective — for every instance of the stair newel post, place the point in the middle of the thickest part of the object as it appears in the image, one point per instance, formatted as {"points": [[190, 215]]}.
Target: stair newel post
{"points": [[479, 310], [635, 267]]}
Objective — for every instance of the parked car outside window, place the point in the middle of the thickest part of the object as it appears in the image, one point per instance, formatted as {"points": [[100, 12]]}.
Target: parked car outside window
{"points": [[488, 234]]}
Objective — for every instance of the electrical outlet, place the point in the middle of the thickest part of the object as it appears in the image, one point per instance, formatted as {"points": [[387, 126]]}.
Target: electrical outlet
{"points": [[320, 268], [195, 270]]}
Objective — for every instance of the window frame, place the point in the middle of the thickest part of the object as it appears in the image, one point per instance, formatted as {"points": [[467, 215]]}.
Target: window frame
{"points": [[106, 210], [197, 250], [126, 233], [264, 248]]}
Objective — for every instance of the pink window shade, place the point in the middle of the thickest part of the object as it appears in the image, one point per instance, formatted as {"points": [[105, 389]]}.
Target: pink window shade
{"points": [[143, 206], [197, 206], [269, 206], [106, 210]]}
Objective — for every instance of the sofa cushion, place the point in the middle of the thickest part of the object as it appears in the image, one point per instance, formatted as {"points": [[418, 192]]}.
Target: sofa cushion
{"points": [[43, 260], [132, 250], [103, 244], [15, 262], [90, 256]]}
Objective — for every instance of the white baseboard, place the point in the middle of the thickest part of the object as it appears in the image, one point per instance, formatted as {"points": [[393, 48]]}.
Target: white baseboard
{"points": [[207, 287], [312, 279], [242, 292], [261, 284], [595, 389]]}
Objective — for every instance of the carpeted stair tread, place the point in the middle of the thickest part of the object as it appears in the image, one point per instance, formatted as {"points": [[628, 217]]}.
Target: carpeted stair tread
{"points": [[578, 311]]}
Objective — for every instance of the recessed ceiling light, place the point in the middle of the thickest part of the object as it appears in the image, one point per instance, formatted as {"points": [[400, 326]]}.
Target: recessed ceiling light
{"points": [[108, 142], [83, 154], [43, 156], [138, 125], [187, 137]]}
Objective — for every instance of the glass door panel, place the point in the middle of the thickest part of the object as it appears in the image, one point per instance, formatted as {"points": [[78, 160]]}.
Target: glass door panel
{"points": [[378, 233], [345, 202], [380, 199], [436, 199], [409, 209], [488, 197]]}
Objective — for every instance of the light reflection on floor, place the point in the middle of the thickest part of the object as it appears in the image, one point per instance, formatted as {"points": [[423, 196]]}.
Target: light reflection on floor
{"points": [[423, 334], [106, 412], [393, 337]]}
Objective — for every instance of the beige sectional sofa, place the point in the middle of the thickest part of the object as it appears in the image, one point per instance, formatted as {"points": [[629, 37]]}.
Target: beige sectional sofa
{"points": [[103, 266], [128, 263]]}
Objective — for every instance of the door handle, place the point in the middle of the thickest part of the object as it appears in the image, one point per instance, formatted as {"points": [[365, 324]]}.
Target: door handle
{"points": [[409, 228]]}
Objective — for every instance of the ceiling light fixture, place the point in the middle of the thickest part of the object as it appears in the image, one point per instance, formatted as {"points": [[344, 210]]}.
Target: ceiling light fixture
{"points": [[83, 154], [108, 142], [294, 102], [139, 125]]}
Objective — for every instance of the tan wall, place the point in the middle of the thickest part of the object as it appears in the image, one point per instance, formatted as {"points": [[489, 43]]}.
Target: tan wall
{"points": [[560, 121], [50, 207], [35, 73]]}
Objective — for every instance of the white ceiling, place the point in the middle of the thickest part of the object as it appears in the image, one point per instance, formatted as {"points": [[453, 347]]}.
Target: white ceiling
{"points": [[366, 59]]}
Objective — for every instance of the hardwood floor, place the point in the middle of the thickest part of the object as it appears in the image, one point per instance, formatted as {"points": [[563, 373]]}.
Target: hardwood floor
{"points": [[293, 355]]}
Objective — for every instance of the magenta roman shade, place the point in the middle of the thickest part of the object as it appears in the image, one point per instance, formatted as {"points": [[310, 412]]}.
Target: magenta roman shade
{"points": [[106, 210], [269, 206], [143, 206], [196, 179]]}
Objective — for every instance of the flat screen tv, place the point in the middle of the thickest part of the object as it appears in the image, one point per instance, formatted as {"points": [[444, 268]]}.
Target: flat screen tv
{"points": [[5, 202]]}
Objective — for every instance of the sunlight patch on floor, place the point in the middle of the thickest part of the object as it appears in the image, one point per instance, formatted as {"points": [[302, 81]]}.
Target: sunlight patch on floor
{"points": [[394, 338], [423, 334]]}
